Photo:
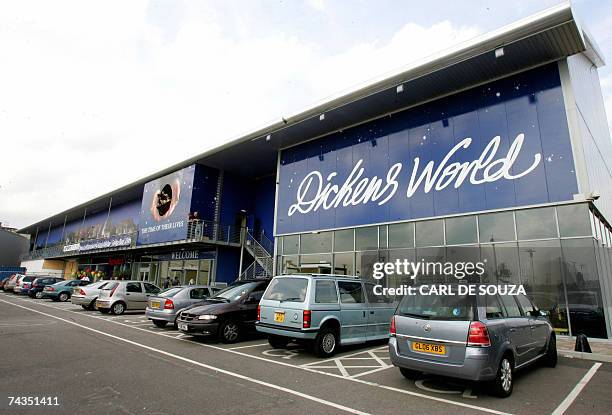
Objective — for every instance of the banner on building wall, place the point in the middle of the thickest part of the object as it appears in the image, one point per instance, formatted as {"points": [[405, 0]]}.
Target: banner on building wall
{"points": [[505, 144], [166, 204]]}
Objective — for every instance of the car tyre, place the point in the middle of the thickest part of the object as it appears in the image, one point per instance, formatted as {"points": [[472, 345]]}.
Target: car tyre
{"points": [[92, 305], [229, 332], [85, 307], [278, 342], [409, 373], [326, 343], [38, 295], [504, 378], [160, 323], [550, 358], [63, 297], [118, 308]]}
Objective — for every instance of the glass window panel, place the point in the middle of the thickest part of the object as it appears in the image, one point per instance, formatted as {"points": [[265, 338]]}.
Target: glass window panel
{"points": [[382, 236], [289, 265], [366, 238], [395, 280], [501, 263], [574, 220], [536, 223], [431, 274], [344, 240], [312, 243], [583, 287], [343, 263], [496, 227], [364, 263], [493, 307], [325, 292], [461, 230], [290, 244], [204, 274], [316, 264], [350, 292], [540, 264], [430, 233], [401, 235], [464, 259], [511, 306]]}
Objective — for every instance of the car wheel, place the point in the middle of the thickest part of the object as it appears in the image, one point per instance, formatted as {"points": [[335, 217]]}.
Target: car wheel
{"points": [[504, 382], [325, 343], [229, 332], [38, 295], [278, 342], [409, 373], [85, 307], [104, 310], [160, 323], [118, 308], [92, 305], [550, 358], [63, 297]]}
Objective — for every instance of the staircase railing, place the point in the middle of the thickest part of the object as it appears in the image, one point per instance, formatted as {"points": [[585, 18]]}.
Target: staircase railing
{"points": [[261, 249]]}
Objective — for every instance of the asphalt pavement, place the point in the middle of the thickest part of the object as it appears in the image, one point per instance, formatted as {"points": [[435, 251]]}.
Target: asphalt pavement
{"points": [[95, 363]]}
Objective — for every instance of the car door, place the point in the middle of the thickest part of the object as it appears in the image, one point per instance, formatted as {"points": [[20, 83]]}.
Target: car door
{"points": [[353, 311], [380, 311], [519, 332], [134, 296], [537, 325]]}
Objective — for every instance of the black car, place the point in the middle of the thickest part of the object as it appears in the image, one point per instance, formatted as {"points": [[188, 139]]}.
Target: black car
{"points": [[227, 315], [36, 291]]}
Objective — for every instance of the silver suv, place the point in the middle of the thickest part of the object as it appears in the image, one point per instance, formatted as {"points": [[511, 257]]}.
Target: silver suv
{"points": [[118, 296], [478, 338], [325, 310]]}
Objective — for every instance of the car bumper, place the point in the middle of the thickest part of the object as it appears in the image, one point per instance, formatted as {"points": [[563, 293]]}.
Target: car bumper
{"points": [[198, 328], [164, 315], [104, 304], [284, 332], [81, 300], [475, 367]]}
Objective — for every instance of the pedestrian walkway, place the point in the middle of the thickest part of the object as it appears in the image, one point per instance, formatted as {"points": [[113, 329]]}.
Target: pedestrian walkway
{"points": [[602, 349]]}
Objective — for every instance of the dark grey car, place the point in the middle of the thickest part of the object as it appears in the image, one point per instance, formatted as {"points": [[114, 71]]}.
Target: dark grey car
{"points": [[478, 338]]}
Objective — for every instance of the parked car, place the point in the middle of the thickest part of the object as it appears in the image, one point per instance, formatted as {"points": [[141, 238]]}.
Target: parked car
{"points": [[10, 284], [325, 310], [478, 338], [61, 291], [167, 305], [227, 315], [36, 291], [3, 281], [118, 296], [86, 296], [23, 284]]}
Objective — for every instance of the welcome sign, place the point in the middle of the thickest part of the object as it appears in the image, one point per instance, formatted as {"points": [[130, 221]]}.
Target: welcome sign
{"points": [[501, 145]]}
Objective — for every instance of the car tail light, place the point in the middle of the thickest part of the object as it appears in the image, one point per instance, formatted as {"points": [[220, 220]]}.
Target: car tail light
{"points": [[478, 335], [392, 329], [258, 312], [113, 291], [168, 305], [81, 292], [306, 318], [50, 288]]}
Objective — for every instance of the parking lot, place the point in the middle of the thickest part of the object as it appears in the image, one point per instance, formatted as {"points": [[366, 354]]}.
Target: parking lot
{"points": [[124, 364]]}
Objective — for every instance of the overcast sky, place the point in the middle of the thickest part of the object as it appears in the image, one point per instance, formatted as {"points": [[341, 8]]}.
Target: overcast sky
{"points": [[94, 95]]}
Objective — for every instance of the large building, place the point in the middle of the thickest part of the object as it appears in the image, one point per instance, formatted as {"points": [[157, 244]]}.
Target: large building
{"points": [[497, 150]]}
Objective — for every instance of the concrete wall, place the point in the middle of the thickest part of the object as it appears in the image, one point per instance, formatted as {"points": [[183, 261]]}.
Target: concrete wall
{"points": [[12, 245]]}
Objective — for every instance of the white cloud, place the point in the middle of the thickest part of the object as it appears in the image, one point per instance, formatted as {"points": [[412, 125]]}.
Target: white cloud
{"points": [[317, 4], [95, 95]]}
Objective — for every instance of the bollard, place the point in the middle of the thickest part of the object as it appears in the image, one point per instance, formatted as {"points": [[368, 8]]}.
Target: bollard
{"points": [[582, 344]]}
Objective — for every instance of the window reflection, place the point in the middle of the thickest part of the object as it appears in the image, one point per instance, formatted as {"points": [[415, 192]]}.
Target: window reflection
{"points": [[536, 223], [401, 235], [290, 244], [574, 220], [343, 263], [501, 263], [311, 243], [461, 230], [343, 240], [496, 227], [430, 233], [366, 238]]}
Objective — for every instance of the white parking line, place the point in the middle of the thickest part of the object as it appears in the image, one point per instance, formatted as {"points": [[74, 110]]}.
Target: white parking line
{"points": [[209, 367], [246, 347], [571, 397], [302, 367]]}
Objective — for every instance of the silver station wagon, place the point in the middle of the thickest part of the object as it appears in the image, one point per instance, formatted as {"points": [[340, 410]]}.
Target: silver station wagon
{"points": [[118, 296], [325, 310], [477, 338]]}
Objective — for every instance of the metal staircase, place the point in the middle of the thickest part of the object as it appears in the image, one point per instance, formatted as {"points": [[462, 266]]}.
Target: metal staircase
{"points": [[261, 248]]}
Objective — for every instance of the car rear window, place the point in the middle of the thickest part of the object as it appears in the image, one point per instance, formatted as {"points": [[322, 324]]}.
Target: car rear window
{"points": [[287, 289], [110, 286], [439, 307], [171, 292]]}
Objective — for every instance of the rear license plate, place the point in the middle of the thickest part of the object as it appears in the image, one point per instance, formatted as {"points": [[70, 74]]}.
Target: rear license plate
{"points": [[183, 326], [279, 317], [428, 348], [155, 304]]}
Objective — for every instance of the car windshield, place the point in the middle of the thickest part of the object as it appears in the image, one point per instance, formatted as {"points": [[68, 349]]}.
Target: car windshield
{"points": [[287, 289], [170, 292], [234, 292], [438, 307], [99, 284]]}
